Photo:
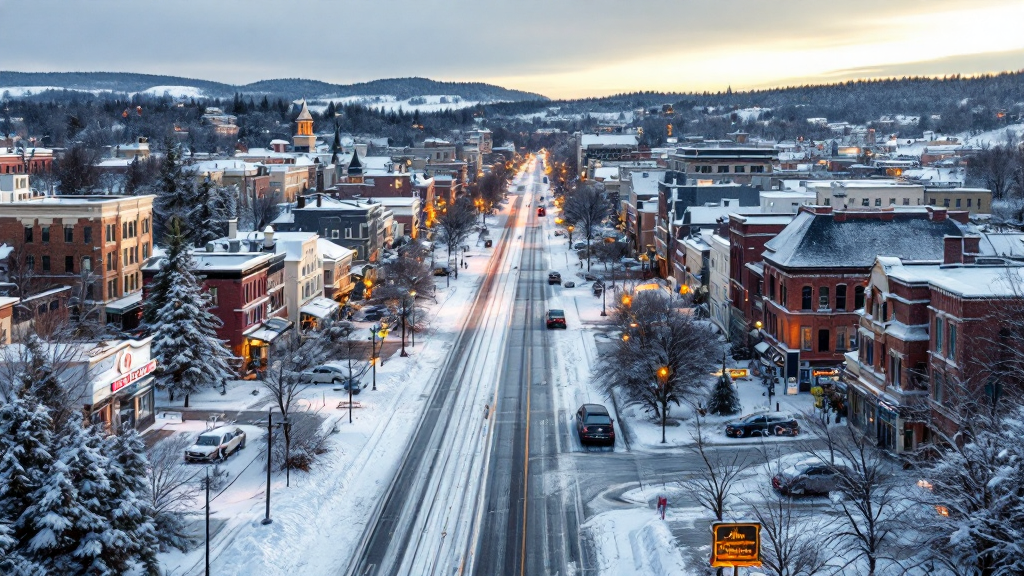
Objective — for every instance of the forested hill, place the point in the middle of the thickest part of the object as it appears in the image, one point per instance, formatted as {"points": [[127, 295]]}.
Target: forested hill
{"points": [[123, 82]]}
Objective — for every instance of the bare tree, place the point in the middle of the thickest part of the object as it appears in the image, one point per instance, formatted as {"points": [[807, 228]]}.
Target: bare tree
{"points": [[257, 212], [455, 225], [663, 357], [713, 482], [586, 208], [174, 492], [791, 542]]}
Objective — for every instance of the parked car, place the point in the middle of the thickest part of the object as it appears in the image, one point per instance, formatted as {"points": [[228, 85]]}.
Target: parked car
{"points": [[559, 233], [441, 270], [808, 477], [217, 444], [579, 245], [595, 425], [554, 278], [555, 319], [589, 277], [763, 424], [328, 374], [569, 284]]}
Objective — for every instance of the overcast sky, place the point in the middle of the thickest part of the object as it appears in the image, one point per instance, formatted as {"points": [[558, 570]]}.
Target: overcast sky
{"points": [[559, 48]]}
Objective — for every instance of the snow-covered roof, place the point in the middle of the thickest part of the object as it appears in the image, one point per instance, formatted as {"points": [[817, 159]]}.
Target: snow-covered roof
{"points": [[330, 250], [967, 280], [646, 183], [304, 113], [607, 172], [1008, 245], [608, 140], [854, 241]]}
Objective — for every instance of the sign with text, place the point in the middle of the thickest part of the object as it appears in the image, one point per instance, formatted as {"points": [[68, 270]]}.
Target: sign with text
{"points": [[736, 544], [133, 375]]}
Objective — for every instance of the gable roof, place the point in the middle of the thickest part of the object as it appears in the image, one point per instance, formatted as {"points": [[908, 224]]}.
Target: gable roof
{"points": [[821, 241]]}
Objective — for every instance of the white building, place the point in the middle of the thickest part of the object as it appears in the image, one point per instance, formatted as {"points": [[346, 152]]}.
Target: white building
{"points": [[719, 302]]}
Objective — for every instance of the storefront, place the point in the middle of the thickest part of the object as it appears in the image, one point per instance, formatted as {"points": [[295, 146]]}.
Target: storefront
{"points": [[119, 378], [316, 311], [125, 313], [258, 342]]}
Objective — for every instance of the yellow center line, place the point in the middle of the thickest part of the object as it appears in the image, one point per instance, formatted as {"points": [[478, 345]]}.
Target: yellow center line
{"points": [[526, 452]]}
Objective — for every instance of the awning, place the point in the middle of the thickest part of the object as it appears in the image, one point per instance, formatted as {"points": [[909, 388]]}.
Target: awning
{"points": [[320, 307], [269, 331], [125, 304]]}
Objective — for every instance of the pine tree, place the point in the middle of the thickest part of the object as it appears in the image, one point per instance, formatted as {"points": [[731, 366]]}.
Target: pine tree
{"points": [[185, 344], [129, 508], [176, 194], [724, 400], [39, 378], [25, 456]]}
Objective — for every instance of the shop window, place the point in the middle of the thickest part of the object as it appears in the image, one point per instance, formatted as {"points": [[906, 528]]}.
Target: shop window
{"points": [[145, 405]]}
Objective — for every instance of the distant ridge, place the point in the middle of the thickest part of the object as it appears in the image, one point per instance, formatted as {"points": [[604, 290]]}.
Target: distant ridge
{"points": [[127, 82]]}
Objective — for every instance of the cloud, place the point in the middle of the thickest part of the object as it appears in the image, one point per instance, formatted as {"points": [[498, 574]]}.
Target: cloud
{"points": [[562, 48]]}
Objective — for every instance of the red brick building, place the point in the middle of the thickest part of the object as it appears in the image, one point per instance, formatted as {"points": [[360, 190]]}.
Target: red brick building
{"points": [[816, 270], [930, 334], [25, 161], [747, 236]]}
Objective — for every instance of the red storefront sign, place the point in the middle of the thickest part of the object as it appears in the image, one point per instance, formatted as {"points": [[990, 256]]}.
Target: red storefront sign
{"points": [[133, 375]]}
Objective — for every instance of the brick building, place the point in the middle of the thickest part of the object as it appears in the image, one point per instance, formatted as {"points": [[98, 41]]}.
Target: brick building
{"points": [[747, 236], [928, 336], [65, 240], [25, 160], [816, 270]]}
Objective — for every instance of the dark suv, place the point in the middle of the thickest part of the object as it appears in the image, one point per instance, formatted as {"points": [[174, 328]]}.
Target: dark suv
{"points": [[595, 425], [554, 278], [555, 319], [763, 424]]}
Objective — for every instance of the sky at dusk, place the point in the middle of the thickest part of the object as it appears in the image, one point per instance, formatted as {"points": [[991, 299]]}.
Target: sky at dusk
{"points": [[559, 48]]}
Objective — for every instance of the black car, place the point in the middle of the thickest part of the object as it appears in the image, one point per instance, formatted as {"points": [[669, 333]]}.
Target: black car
{"points": [[554, 278], [595, 425], [763, 424]]}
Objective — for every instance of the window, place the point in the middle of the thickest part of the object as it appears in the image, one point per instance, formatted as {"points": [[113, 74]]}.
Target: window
{"points": [[30, 262], [858, 297], [723, 169], [945, 202], [782, 288], [805, 337], [757, 169], [87, 233], [823, 340], [28, 234], [853, 338], [828, 201], [145, 225], [969, 202], [841, 297], [110, 233], [739, 169], [124, 230], [906, 201], [145, 251], [87, 264], [771, 288], [951, 342], [938, 387], [46, 234], [348, 232], [69, 234], [979, 204], [957, 202], [892, 201], [46, 263], [896, 370], [823, 297], [931, 201], [869, 353], [878, 201], [213, 296], [69, 264], [334, 233], [840, 338], [938, 335], [805, 298], [865, 202]]}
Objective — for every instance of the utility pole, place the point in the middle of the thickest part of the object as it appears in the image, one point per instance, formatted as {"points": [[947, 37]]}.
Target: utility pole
{"points": [[270, 453], [404, 312], [207, 521]]}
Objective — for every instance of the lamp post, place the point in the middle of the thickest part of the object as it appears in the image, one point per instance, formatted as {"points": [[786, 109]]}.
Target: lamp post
{"points": [[270, 452], [570, 228], [662, 381], [404, 354], [603, 312], [382, 327], [412, 332]]}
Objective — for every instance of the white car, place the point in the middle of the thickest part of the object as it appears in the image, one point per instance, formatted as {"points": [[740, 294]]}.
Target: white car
{"points": [[328, 374], [217, 444]]}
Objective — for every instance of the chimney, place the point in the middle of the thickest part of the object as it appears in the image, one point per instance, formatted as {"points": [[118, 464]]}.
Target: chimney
{"points": [[936, 214], [319, 200], [232, 228], [211, 247], [952, 250], [972, 248], [300, 201], [268, 238], [234, 245]]}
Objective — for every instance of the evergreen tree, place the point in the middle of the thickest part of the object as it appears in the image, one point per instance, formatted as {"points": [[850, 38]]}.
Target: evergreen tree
{"points": [[176, 194], [129, 509], [724, 400], [25, 456], [185, 344], [40, 379]]}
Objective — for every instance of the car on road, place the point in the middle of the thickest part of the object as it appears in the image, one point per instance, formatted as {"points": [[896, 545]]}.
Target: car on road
{"points": [[589, 277], [217, 444], [441, 270], [594, 425], [559, 233], [328, 374], [555, 319], [554, 278], [579, 245], [763, 424], [811, 476], [569, 284], [541, 211]]}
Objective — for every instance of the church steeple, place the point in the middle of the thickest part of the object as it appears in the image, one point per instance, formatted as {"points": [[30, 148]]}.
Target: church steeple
{"points": [[304, 140]]}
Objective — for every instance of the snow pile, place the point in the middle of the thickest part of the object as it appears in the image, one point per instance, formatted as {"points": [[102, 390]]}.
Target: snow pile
{"points": [[634, 542]]}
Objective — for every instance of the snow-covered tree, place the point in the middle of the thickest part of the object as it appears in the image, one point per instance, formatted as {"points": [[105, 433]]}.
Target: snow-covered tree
{"points": [[129, 507], [454, 226], [172, 493], [176, 193], [215, 206], [26, 453], [724, 400], [190, 357], [586, 207]]}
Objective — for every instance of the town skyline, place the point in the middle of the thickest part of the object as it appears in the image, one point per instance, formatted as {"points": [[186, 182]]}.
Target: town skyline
{"points": [[561, 61]]}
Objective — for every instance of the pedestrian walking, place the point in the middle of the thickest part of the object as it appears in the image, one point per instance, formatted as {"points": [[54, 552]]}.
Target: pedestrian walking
{"points": [[662, 505]]}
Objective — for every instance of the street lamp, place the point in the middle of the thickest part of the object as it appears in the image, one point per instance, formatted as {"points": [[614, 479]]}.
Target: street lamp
{"points": [[603, 313], [373, 347], [662, 382], [571, 229], [412, 331]]}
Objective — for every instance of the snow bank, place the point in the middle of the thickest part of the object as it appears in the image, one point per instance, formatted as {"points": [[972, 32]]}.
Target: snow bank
{"points": [[634, 542]]}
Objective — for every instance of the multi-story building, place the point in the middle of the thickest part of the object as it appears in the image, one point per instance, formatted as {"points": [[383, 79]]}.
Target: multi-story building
{"points": [[866, 194], [816, 270], [973, 200], [337, 270], [25, 160], [354, 224], [740, 165], [930, 341], [747, 237], [98, 241], [719, 298]]}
